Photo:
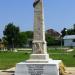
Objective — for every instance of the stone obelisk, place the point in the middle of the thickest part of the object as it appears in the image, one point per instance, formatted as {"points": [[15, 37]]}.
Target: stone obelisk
{"points": [[39, 62], [39, 43]]}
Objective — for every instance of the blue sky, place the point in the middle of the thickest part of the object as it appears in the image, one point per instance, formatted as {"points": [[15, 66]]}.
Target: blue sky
{"points": [[58, 14]]}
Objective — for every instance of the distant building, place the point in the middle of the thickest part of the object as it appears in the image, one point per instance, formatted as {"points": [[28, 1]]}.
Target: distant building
{"points": [[69, 40], [53, 33]]}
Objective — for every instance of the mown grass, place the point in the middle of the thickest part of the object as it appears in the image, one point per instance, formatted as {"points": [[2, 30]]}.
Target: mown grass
{"points": [[68, 58], [9, 59]]}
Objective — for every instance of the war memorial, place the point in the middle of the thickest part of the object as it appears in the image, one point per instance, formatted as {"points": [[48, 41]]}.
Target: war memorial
{"points": [[39, 62]]}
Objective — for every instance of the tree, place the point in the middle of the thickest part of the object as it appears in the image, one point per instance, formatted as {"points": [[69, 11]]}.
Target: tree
{"points": [[29, 34], [25, 38], [22, 39], [4, 42], [0, 40], [29, 38], [11, 33], [0, 43], [74, 27], [63, 32], [69, 31], [50, 40]]}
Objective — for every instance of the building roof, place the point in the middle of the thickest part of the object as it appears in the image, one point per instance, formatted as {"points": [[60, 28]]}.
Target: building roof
{"points": [[69, 37], [52, 32]]}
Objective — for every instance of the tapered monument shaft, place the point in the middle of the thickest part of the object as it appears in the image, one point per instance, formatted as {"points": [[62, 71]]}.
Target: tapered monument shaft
{"points": [[39, 43], [39, 62]]}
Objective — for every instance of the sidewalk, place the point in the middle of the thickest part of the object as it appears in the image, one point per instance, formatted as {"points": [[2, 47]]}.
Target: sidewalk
{"points": [[69, 70], [7, 72]]}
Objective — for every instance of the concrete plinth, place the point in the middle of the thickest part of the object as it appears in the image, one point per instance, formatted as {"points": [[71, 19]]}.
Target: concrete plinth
{"points": [[48, 68]]}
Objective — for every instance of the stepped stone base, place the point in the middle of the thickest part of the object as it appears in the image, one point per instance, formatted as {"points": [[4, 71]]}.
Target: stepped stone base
{"points": [[38, 67], [39, 56]]}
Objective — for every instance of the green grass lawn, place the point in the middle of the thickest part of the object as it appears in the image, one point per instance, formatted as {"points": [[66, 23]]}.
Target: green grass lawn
{"points": [[9, 59], [68, 58]]}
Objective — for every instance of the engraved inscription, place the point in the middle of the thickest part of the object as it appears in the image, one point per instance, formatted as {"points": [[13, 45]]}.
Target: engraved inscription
{"points": [[35, 69]]}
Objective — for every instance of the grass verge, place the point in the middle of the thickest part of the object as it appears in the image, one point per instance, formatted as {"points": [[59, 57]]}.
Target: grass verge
{"points": [[9, 59]]}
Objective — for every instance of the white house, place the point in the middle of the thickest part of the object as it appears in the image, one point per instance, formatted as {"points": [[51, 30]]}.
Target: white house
{"points": [[69, 40]]}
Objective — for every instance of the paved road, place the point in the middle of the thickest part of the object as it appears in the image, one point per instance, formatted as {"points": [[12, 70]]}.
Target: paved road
{"points": [[69, 70]]}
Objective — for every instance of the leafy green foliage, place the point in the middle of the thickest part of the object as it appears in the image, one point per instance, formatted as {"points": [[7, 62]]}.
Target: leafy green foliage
{"points": [[0, 40], [14, 38], [22, 39], [51, 40], [11, 33], [29, 34], [63, 32], [71, 32], [68, 31], [25, 38]]}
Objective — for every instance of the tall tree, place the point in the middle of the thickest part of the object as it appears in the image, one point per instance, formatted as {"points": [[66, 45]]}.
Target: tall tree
{"points": [[0, 40], [74, 27], [22, 39], [25, 38], [29, 34], [11, 33], [63, 32]]}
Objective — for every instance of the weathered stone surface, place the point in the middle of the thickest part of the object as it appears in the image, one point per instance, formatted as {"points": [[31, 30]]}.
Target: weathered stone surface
{"points": [[39, 43], [50, 68], [39, 62]]}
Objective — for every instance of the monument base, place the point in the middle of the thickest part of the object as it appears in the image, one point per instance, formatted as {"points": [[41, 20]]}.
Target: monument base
{"points": [[39, 56], [47, 68]]}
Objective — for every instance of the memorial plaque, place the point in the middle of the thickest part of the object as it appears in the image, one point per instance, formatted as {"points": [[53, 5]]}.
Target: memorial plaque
{"points": [[37, 69], [41, 69]]}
